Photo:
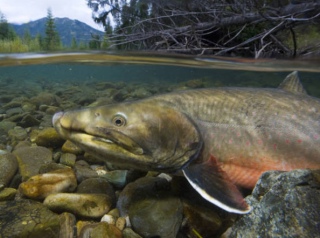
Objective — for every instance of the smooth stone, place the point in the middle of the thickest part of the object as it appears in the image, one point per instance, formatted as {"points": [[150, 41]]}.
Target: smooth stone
{"points": [[121, 223], [42, 185], [44, 98], [14, 111], [152, 208], [100, 230], [30, 159], [84, 205], [17, 134], [129, 233], [108, 219], [69, 147], [67, 224], [7, 194], [46, 168], [28, 107], [49, 137], [27, 218], [12, 104], [8, 168], [52, 110], [96, 185], [83, 171], [22, 144], [284, 204], [118, 178], [28, 121], [68, 159], [5, 126]]}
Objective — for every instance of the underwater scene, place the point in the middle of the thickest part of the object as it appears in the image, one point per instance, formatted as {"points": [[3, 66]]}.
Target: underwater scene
{"points": [[159, 146]]}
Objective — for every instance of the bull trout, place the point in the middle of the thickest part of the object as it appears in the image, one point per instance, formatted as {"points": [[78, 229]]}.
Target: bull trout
{"points": [[220, 138]]}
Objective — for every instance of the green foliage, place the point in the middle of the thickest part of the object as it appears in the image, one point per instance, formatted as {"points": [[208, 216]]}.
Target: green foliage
{"points": [[17, 45], [52, 38], [6, 32]]}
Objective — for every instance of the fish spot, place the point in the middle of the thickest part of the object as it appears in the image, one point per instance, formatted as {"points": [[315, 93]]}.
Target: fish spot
{"points": [[316, 137], [275, 146], [287, 141], [299, 141]]}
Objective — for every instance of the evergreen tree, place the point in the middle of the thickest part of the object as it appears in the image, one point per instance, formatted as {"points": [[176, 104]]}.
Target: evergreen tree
{"points": [[6, 32], [52, 38], [74, 44]]}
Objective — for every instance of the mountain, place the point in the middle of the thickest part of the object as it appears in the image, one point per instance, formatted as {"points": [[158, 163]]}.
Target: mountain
{"points": [[66, 28]]}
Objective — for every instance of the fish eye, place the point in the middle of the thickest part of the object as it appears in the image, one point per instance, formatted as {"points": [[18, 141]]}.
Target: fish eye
{"points": [[119, 120]]}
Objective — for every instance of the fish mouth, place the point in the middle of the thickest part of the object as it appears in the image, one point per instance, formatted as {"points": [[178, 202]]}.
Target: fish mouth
{"points": [[96, 138]]}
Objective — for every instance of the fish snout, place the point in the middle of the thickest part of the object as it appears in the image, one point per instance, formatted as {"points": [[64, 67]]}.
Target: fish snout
{"points": [[56, 117]]}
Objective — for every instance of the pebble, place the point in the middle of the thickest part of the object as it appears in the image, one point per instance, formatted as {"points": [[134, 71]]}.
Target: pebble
{"points": [[84, 205], [108, 219], [129, 233], [151, 205], [68, 159], [42, 185], [121, 223], [67, 224], [69, 147], [30, 159], [17, 134], [100, 230], [27, 218], [118, 178], [7, 194], [49, 137], [96, 185], [8, 168]]}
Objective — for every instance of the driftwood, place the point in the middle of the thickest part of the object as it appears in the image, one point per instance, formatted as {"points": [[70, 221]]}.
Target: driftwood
{"points": [[221, 33]]}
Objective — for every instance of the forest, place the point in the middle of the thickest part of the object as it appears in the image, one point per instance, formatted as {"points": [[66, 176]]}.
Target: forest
{"points": [[50, 41], [246, 28], [250, 28]]}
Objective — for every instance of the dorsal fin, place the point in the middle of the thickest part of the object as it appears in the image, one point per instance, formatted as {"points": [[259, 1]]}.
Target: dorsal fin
{"points": [[292, 84]]}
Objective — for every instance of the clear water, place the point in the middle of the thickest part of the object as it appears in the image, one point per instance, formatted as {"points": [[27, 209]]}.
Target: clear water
{"points": [[24, 72], [28, 75]]}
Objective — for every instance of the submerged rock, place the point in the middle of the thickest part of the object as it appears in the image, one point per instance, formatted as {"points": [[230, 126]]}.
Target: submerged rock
{"points": [[49, 137], [284, 204], [84, 205], [8, 168], [30, 159], [27, 218], [41, 185], [100, 230], [152, 208]]}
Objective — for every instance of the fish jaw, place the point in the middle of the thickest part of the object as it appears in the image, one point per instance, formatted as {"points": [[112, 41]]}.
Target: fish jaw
{"points": [[152, 138]]}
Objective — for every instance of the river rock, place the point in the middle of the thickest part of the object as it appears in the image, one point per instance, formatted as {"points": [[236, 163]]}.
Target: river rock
{"points": [[68, 159], [100, 230], [8, 168], [17, 134], [152, 208], [49, 137], [84, 205], [7, 194], [67, 225], [83, 171], [96, 185], [28, 120], [27, 218], [129, 233], [284, 204], [41, 185], [116, 177], [69, 147], [44, 98], [5, 126], [30, 159]]}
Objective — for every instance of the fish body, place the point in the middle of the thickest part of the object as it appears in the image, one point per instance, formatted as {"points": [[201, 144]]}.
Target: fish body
{"points": [[221, 138]]}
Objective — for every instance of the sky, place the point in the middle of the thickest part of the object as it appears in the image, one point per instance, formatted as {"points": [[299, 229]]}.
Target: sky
{"points": [[23, 11]]}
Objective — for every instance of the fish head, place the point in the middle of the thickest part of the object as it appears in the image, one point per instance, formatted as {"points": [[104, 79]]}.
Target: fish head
{"points": [[140, 135]]}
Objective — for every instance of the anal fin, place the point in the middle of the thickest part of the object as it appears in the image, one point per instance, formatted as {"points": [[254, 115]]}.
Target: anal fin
{"points": [[213, 184]]}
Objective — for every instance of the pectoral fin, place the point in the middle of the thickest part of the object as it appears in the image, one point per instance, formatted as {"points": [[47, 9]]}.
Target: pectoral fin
{"points": [[213, 184]]}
